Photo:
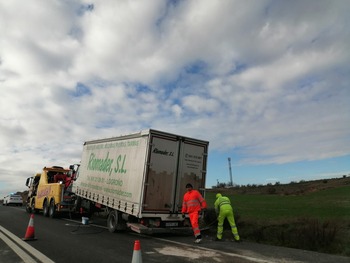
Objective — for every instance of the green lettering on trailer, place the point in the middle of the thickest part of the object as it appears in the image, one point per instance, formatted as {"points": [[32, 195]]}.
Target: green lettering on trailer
{"points": [[103, 165], [120, 160]]}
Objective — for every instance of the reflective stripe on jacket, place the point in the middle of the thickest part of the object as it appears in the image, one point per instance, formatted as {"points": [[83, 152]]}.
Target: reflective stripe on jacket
{"points": [[222, 202], [193, 202]]}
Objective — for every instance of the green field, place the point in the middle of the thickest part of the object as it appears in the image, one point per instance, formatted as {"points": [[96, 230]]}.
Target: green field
{"points": [[330, 204], [318, 221]]}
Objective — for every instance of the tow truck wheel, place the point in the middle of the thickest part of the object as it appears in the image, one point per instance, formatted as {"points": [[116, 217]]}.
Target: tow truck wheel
{"points": [[52, 209], [45, 208], [28, 208], [32, 207]]}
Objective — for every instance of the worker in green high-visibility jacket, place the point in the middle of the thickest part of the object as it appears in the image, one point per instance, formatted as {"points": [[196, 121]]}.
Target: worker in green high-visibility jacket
{"points": [[224, 209]]}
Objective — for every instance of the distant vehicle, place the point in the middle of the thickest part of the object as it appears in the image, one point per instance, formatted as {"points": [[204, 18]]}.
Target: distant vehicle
{"points": [[13, 199]]}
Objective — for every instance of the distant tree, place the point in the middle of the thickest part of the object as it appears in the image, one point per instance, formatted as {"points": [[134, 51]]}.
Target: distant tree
{"points": [[221, 185], [271, 190]]}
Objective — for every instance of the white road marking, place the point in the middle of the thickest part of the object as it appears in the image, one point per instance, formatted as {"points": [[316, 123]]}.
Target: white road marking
{"points": [[15, 246], [20, 252]]}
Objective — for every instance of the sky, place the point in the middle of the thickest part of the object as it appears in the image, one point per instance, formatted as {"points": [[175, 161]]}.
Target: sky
{"points": [[265, 82]]}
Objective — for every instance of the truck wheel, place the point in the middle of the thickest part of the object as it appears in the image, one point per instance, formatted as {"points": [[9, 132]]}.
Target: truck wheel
{"points": [[45, 208], [52, 209], [32, 207], [115, 222], [112, 221], [28, 208]]}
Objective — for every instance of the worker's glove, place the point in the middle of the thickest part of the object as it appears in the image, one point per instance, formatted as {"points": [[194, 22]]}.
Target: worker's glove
{"points": [[183, 215]]}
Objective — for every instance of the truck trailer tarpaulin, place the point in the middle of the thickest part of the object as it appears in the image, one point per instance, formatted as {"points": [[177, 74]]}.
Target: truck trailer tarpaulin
{"points": [[141, 177]]}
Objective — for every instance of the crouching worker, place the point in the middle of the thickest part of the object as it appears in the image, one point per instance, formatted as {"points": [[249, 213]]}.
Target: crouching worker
{"points": [[224, 209], [193, 203]]}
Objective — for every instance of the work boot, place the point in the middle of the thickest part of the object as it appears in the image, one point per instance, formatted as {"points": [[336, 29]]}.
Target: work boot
{"points": [[218, 239], [198, 239]]}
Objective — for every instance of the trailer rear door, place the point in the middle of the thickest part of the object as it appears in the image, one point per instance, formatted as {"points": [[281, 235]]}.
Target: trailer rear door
{"points": [[161, 174], [173, 162]]}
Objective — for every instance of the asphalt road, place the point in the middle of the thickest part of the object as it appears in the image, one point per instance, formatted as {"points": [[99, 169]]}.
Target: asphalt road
{"points": [[65, 240]]}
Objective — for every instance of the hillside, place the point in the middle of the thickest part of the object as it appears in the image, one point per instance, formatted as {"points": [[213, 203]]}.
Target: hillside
{"points": [[294, 188]]}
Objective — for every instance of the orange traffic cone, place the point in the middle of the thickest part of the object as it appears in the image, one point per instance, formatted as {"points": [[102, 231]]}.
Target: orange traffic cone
{"points": [[136, 256], [30, 230]]}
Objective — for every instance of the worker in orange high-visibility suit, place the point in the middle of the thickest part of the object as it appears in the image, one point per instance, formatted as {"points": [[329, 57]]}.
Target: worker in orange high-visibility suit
{"points": [[224, 209], [193, 203]]}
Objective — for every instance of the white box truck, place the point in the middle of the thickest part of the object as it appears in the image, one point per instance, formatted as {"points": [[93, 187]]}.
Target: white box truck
{"points": [[140, 178]]}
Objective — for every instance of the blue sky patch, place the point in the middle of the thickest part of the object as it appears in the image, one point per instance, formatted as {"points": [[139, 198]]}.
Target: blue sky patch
{"points": [[85, 8], [81, 90]]}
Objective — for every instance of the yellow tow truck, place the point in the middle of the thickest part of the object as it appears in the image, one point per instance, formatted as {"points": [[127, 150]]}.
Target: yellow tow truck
{"points": [[50, 191]]}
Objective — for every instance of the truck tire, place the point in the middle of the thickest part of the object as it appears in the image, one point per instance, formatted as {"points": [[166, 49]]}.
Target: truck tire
{"points": [[32, 207], [52, 209], [46, 208], [115, 222], [28, 208]]}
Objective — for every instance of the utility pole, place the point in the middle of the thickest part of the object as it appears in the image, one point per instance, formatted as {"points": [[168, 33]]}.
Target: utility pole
{"points": [[229, 167]]}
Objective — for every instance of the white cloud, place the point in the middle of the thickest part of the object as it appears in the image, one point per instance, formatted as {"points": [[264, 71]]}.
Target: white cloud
{"points": [[177, 110], [268, 80], [200, 105]]}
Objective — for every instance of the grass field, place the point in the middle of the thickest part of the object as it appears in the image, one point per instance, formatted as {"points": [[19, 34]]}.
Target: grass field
{"points": [[324, 205], [315, 220]]}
